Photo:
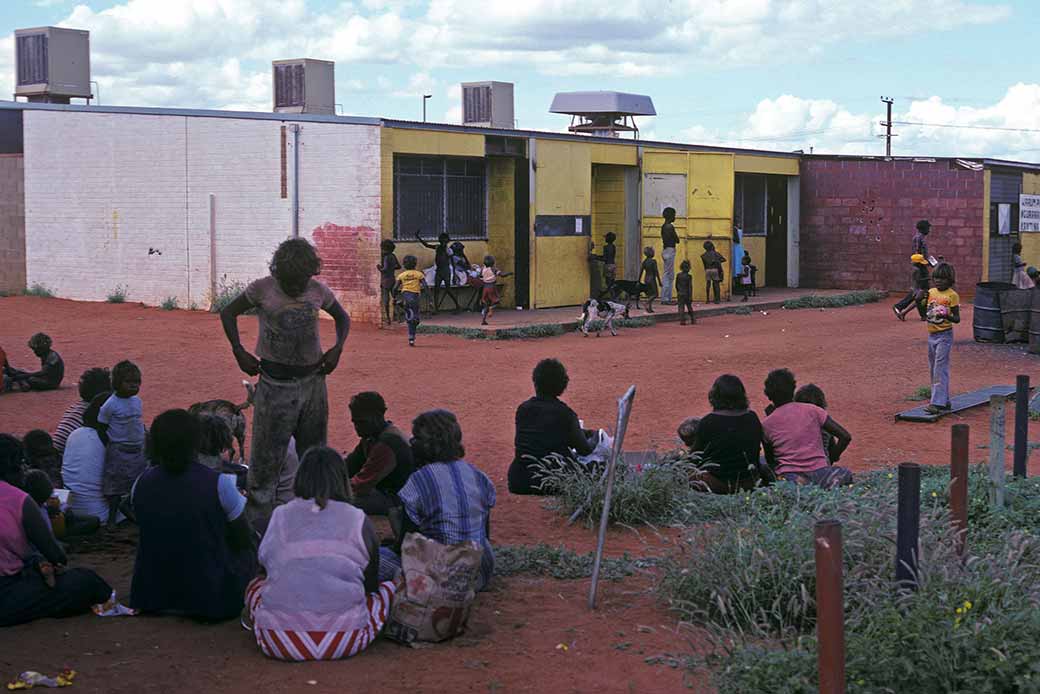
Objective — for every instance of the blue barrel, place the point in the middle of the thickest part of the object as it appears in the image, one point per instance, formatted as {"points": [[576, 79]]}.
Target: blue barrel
{"points": [[986, 321]]}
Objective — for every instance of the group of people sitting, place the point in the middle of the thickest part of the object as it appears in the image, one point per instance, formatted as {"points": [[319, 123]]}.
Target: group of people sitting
{"points": [[319, 566], [800, 441]]}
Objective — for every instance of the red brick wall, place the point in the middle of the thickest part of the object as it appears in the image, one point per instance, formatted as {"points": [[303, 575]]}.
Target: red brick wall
{"points": [[349, 256], [858, 217]]}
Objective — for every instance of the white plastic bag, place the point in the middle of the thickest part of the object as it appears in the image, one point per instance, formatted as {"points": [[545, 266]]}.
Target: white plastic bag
{"points": [[600, 454]]}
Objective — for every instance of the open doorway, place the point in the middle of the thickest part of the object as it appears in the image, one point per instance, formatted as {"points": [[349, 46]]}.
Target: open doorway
{"points": [[522, 232], [776, 231]]}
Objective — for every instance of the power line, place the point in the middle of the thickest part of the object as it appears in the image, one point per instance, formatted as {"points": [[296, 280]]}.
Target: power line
{"points": [[968, 127]]}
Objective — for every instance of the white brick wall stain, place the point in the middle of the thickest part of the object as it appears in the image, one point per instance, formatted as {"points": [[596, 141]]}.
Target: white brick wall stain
{"points": [[101, 189]]}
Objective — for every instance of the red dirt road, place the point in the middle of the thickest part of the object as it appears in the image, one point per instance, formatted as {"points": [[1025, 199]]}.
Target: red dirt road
{"points": [[866, 362]]}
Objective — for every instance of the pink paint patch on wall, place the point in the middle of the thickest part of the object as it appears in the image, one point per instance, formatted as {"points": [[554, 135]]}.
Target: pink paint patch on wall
{"points": [[349, 256]]}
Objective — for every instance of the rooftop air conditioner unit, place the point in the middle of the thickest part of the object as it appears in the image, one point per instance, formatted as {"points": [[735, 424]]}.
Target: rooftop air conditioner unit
{"points": [[304, 86], [52, 64], [488, 104]]}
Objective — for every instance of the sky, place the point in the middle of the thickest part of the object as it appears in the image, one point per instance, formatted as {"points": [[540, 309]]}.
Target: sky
{"points": [[763, 74]]}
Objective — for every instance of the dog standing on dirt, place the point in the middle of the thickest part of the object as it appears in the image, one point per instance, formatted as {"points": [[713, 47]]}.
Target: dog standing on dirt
{"points": [[631, 289], [604, 311], [231, 414]]}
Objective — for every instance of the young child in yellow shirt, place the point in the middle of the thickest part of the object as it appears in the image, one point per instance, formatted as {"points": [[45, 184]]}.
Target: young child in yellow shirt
{"points": [[942, 312], [411, 283]]}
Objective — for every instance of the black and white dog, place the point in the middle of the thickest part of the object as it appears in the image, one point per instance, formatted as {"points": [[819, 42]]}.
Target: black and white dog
{"points": [[604, 311]]}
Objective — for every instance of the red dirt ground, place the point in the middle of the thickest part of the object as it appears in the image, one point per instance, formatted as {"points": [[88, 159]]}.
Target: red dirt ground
{"points": [[866, 362]]}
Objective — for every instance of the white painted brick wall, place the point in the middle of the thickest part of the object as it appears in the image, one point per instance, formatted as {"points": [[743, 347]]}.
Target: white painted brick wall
{"points": [[101, 189]]}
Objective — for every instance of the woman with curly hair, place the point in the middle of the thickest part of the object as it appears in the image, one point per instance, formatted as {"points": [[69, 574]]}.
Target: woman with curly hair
{"points": [[50, 374], [291, 397], [728, 439], [446, 499]]}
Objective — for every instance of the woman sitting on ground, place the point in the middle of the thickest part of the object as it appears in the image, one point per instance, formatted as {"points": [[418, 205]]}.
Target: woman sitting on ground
{"points": [[446, 499], [793, 437], [196, 553], [545, 426], [728, 439], [26, 592], [83, 464], [319, 595]]}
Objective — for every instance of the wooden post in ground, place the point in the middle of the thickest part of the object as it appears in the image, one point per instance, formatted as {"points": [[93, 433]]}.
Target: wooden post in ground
{"points": [[830, 607], [959, 483], [1021, 425], [996, 450]]}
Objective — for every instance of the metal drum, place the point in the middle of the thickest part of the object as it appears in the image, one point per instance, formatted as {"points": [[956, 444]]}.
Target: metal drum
{"points": [[986, 322]]}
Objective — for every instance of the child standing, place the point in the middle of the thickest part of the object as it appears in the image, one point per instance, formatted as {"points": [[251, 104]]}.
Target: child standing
{"points": [[1020, 278], [489, 297], [650, 278], [387, 267], [684, 292], [609, 260], [121, 421], [745, 276], [712, 261], [942, 312], [442, 262], [410, 283]]}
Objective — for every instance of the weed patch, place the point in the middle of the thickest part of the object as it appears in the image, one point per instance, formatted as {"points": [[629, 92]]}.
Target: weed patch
{"points": [[921, 393], [227, 291], [561, 563], [39, 290], [169, 303], [866, 296], [118, 295]]}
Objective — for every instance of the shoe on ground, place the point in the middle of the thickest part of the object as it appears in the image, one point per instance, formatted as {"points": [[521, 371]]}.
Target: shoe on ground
{"points": [[938, 409], [899, 314], [411, 343]]}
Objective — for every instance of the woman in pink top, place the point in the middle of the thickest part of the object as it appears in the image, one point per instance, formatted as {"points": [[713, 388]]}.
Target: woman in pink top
{"points": [[30, 592], [793, 441]]}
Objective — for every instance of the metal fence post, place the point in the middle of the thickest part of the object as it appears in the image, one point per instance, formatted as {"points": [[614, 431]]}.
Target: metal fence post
{"points": [[1021, 425], [996, 450], [908, 524], [959, 483]]}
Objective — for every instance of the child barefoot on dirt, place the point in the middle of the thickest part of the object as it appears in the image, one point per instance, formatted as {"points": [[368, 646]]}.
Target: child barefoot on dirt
{"points": [[410, 284], [52, 368], [489, 297], [388, 265], [291, 397], [943, 311], [121, 421], [684, 293], [650, 277]]}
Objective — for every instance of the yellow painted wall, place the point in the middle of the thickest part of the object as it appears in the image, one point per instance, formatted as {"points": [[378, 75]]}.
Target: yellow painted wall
{"points": [[756, 246], [751, 163], [608, 210], [501, 222], [985, 224], [563, 186], [709, 182], [398, 141], [622, 155], [1030, 240]]}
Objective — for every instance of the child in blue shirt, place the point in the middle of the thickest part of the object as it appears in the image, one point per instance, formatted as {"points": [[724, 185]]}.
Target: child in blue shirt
{"points": [[122, 424]]}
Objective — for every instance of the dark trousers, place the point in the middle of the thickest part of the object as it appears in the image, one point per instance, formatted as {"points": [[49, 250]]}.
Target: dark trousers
{"points": [[442, 277], [685, 307], [25, 597], [376, 502], [411, 312], [911, 298]]}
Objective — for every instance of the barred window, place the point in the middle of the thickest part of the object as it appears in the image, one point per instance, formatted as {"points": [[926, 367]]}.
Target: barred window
{"points": [[750, 201], [434, 195]]}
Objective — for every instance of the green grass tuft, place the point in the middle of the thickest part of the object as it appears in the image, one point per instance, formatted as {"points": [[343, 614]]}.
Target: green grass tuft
{"points": [[39, 290], [921, 393], [118, 295], [227, 291], [866, 296], [560, 563], [169, 303]]}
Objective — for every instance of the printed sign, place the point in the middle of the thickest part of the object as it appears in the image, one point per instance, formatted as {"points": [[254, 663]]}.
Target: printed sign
{"points": [[1029, 212]]}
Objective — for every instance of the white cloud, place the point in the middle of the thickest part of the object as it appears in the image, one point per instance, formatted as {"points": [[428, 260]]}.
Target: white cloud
{"points": [[214, 53], [789, 122]]}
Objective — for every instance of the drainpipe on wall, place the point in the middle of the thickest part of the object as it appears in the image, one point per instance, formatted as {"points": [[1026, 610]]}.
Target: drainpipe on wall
{"points": [[212, 247], [295, 127]]}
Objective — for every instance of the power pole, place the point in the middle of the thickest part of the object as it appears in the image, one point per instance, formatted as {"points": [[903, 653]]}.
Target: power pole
{"points": [[888, 125]]}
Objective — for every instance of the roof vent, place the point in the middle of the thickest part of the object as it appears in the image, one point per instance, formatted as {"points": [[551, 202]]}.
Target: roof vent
{"points": [[603, 114], [304, 86], [52, 64], [488, 104]]}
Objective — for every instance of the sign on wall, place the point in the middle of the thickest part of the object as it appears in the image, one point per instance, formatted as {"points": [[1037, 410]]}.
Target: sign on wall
{"points": [[664, 190], [1029, 212]]}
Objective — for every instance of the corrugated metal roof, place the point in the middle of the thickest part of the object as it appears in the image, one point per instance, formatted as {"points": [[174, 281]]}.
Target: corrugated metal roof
{"points": [[880, 157]]}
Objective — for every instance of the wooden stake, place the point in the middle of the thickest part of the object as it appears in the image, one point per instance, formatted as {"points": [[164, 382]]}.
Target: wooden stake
{"points": [[959, 483], [830, 607], [996, 450]]}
